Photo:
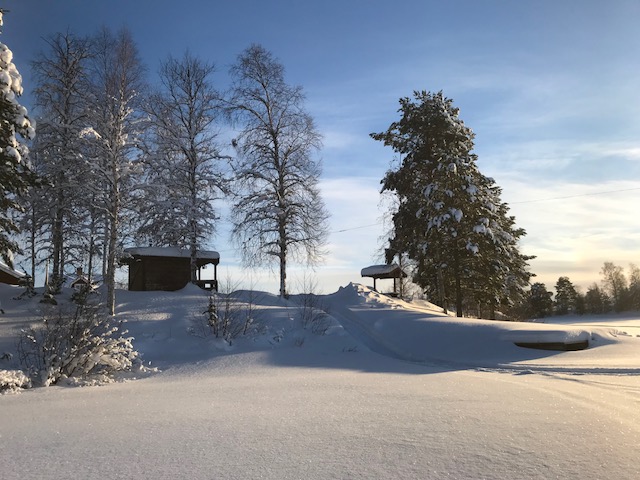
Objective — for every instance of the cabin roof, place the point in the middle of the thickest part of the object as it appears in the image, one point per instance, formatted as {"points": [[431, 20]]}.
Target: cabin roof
{"points": [[171, 252]]}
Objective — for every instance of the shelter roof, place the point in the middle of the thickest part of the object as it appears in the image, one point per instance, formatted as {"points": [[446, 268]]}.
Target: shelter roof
{"points": [[383, 271]]}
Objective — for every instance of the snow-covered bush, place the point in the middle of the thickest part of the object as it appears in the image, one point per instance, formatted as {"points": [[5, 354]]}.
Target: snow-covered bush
{"points": [[312, 310], [13, 381], [313, 313], [80, 342], [228, 316]]}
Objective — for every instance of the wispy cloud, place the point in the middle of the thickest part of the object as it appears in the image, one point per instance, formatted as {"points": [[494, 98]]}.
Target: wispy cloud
{"points": [[574, 228]]}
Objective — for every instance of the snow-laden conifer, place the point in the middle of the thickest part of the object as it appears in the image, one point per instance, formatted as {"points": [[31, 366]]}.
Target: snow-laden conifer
{"points": [[449, 217], [16, 129]]}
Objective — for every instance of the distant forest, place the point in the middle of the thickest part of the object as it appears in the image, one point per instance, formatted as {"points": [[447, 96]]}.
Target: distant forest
{"points": [[617, 292]]}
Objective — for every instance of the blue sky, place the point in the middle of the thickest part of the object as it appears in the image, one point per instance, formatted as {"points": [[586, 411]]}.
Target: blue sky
{"points": [[549, 88]]}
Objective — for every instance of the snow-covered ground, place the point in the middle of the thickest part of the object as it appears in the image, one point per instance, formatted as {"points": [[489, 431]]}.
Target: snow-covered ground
{"points": [[392, 390]]}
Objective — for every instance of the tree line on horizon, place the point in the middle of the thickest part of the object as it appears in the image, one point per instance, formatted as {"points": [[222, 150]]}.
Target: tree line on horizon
{"points": [[616, 293], [116, 161]]}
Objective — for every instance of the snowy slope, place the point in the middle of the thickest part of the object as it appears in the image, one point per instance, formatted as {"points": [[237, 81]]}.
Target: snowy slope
{"points": [[393, 390], [426, 335]]}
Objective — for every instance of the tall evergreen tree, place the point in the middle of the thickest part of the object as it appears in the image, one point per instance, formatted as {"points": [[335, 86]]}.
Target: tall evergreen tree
{"points": [[566, 295], [540, 302], [596, 300], [449, 217], [15, 173]]}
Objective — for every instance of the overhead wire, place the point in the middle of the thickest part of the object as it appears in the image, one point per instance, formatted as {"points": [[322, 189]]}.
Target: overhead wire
{"points": [[576, 196], [512, 203]]}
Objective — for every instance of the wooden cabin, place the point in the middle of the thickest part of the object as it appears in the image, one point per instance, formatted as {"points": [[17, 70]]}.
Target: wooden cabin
{"points": [[167, 268], [10, 276]]}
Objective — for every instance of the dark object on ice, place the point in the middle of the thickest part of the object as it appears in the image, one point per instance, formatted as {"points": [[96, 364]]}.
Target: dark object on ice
{"points": [[560, 346]]}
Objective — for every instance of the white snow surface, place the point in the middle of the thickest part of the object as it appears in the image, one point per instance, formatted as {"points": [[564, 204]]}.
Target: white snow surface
{"points": [[394, 390]]}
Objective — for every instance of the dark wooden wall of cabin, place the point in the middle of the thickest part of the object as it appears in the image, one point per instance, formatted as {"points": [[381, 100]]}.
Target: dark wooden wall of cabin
{"points": [[8, 279], [159, 273]]}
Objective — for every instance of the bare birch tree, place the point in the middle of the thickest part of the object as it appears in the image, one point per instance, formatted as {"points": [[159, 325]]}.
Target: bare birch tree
{"points": [[117, 87], [61, 80], [183, 166], [278, 213]]}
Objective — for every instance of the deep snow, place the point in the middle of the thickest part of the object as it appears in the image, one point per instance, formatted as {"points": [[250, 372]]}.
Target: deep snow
{"points": [[393, 390]]}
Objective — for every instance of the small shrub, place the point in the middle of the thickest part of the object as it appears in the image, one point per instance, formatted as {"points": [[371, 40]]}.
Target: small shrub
{"points": [[12, 381], [77, 343], [227, 315], [30, 291], [313, 313]]}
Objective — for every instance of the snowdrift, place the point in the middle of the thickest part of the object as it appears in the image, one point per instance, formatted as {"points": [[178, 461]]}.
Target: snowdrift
{"points": [[357, 319], [422, 333]]}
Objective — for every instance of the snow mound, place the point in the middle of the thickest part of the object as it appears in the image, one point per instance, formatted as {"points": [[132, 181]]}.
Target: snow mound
{"points": [[422, 333]]}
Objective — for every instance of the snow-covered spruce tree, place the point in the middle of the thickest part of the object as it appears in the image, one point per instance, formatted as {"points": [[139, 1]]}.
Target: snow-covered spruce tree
{"points": [[449, 218], [59, 153], [183, 172], [116, 96], [15, 172], [278, 214]]}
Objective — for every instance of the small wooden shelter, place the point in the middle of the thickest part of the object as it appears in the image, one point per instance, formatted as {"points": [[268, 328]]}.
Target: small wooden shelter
{"points": [[10, 276], [167, 268], [389, 271]]}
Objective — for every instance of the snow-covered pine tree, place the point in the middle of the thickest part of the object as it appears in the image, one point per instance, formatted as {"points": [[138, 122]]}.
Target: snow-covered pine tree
{"points": [[449, 218], [183, 176], [15, 130], [278, 214], [500, 275]]}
